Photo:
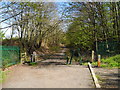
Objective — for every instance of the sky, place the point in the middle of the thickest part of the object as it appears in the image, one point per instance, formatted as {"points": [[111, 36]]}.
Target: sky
{"points": [[64, 26], [63, 0], [8, 31]]}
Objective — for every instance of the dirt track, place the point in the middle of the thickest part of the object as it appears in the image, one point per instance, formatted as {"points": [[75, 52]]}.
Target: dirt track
{"points": [[50, 76]]}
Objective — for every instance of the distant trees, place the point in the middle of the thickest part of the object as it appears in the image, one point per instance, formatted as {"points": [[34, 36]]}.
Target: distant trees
{"points": [[39, 23], [93, 22], [35, 23]]}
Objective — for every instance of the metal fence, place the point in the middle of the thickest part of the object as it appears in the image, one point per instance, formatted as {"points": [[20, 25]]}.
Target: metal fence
{"points": [[10, 55], [113, 48]]}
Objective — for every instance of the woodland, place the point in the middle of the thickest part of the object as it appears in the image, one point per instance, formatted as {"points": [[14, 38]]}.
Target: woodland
{"points": [[37, 25]]}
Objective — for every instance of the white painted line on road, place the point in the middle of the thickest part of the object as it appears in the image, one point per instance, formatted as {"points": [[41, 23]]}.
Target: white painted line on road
{"points": [[97, 85]]}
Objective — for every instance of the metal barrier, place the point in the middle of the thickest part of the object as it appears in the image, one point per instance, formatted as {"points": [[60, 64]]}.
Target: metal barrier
{"points": [[75, 53], [9, 55], [108, 49], [34, 57]]}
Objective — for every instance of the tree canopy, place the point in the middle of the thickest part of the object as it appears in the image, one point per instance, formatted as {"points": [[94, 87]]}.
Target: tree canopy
{"points": [[87, 23]]}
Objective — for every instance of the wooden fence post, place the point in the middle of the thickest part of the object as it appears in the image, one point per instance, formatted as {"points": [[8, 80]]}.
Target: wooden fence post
{"points": [[99, 57], [23, 57], [92, 56], [34, 56], [31, 57]]}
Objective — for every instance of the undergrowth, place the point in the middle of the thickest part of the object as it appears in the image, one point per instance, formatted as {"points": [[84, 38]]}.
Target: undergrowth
{"points": [[33, 64], [113, 61], [3, 75]]}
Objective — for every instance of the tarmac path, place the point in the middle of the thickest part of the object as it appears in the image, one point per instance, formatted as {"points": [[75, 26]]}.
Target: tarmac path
{"points": [[49, 74]]}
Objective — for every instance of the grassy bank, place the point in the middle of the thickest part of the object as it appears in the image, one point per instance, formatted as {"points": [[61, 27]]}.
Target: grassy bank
{"points": [[113, 61], [3, 76]]}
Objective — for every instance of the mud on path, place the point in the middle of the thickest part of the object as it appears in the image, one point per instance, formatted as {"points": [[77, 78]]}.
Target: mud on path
{"points": [[49, 76]]}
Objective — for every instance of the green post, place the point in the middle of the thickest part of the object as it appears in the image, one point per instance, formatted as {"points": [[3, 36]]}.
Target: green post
{"points": [[80, 60], [72, 52], [67, 60], [19, 54]]}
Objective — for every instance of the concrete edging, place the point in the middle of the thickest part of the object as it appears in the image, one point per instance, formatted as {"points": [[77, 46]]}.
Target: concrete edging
{"points": [[97, 85]]}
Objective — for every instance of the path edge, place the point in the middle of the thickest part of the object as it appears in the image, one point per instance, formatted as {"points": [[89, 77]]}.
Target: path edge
{"points": [[97, 85]]}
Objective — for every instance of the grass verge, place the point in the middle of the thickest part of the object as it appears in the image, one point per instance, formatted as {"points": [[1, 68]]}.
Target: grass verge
{"points": [[111, 62], [3, 75]]}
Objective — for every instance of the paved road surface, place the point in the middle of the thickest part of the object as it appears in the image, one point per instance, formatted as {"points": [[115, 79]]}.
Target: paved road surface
{"points": [[49, 74], [52, 76]]}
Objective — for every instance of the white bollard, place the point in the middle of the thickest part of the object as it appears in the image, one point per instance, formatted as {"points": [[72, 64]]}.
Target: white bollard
{"points": [[92, 56]]}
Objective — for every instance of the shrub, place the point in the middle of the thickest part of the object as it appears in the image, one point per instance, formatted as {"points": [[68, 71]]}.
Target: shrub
{"points": [[112, 61]]}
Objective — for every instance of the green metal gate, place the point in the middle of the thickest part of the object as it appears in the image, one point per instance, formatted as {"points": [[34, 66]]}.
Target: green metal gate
{"points": [[113, 48], [10, 55]]}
